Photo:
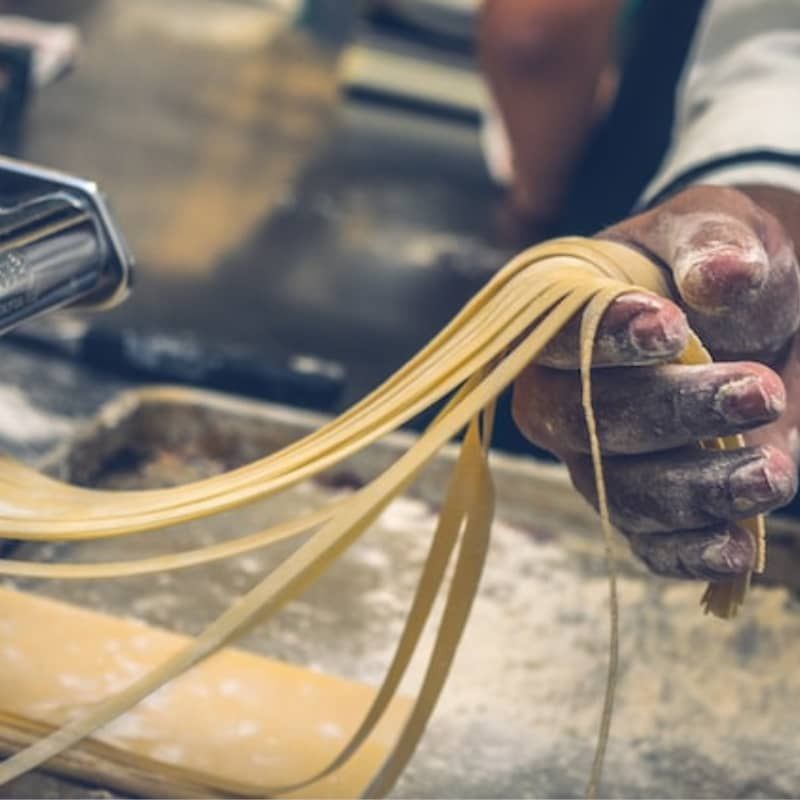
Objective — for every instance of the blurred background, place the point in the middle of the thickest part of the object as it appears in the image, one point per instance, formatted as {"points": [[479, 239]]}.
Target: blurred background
{"points": [[305, 184]]}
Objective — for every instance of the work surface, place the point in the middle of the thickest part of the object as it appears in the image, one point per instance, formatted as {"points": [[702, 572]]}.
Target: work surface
{"points": [[706, 708]]}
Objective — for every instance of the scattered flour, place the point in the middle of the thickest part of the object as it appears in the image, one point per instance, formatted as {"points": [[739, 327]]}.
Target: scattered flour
{"points": [[20, 421]]}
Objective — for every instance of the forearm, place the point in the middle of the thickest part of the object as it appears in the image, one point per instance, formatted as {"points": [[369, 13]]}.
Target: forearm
{"points": [[544, 60]]}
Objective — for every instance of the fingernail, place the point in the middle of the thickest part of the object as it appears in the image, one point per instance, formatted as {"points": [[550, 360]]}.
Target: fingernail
{"points": [[753, 485], [714, 273], [745, 400], [654, 332], [728, 555]]}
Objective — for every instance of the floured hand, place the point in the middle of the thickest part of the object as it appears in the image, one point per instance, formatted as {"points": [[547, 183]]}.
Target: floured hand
{"points": [[737, 285]]}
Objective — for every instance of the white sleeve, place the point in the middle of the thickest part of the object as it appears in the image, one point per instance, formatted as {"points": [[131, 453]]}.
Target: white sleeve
{"points": [[737, 115]]}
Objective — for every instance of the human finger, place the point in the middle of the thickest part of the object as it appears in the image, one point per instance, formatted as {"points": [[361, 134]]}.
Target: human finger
{"points": [[689, 488], [645, 409], [718, 553], [637, 329]]}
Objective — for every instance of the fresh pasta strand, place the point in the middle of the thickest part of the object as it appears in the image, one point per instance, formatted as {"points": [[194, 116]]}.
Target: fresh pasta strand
{"points": [[471, 361]]}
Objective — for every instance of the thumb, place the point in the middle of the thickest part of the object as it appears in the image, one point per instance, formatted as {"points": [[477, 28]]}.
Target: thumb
{"points": [[733, 266]]}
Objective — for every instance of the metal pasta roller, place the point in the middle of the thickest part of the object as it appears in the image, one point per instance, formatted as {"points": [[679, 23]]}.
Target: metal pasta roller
{"points": [[59, 245]]}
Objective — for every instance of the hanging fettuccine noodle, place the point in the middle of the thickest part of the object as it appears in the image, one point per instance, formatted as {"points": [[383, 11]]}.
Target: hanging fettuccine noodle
{"points": [[472, 360]]}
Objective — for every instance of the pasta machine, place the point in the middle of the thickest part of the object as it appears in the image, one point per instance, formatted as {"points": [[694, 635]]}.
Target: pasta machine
{"points": [[59, 245]]}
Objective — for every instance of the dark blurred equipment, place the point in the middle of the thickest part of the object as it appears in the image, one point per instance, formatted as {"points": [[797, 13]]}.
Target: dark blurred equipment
{"points": [[166, 357], [418, 56], [16, 79], [33, 53], [184, 358]]}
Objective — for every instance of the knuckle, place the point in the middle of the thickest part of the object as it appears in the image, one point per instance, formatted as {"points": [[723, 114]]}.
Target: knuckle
{"points": [[533, 420], [546, 407]]}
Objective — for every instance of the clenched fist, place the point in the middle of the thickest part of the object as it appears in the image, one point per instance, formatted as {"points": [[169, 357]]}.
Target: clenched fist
{"points": [[737, 284]]}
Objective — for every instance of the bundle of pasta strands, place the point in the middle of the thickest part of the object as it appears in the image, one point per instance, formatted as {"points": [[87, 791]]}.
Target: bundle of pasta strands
{"points": [[470, 362]]}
